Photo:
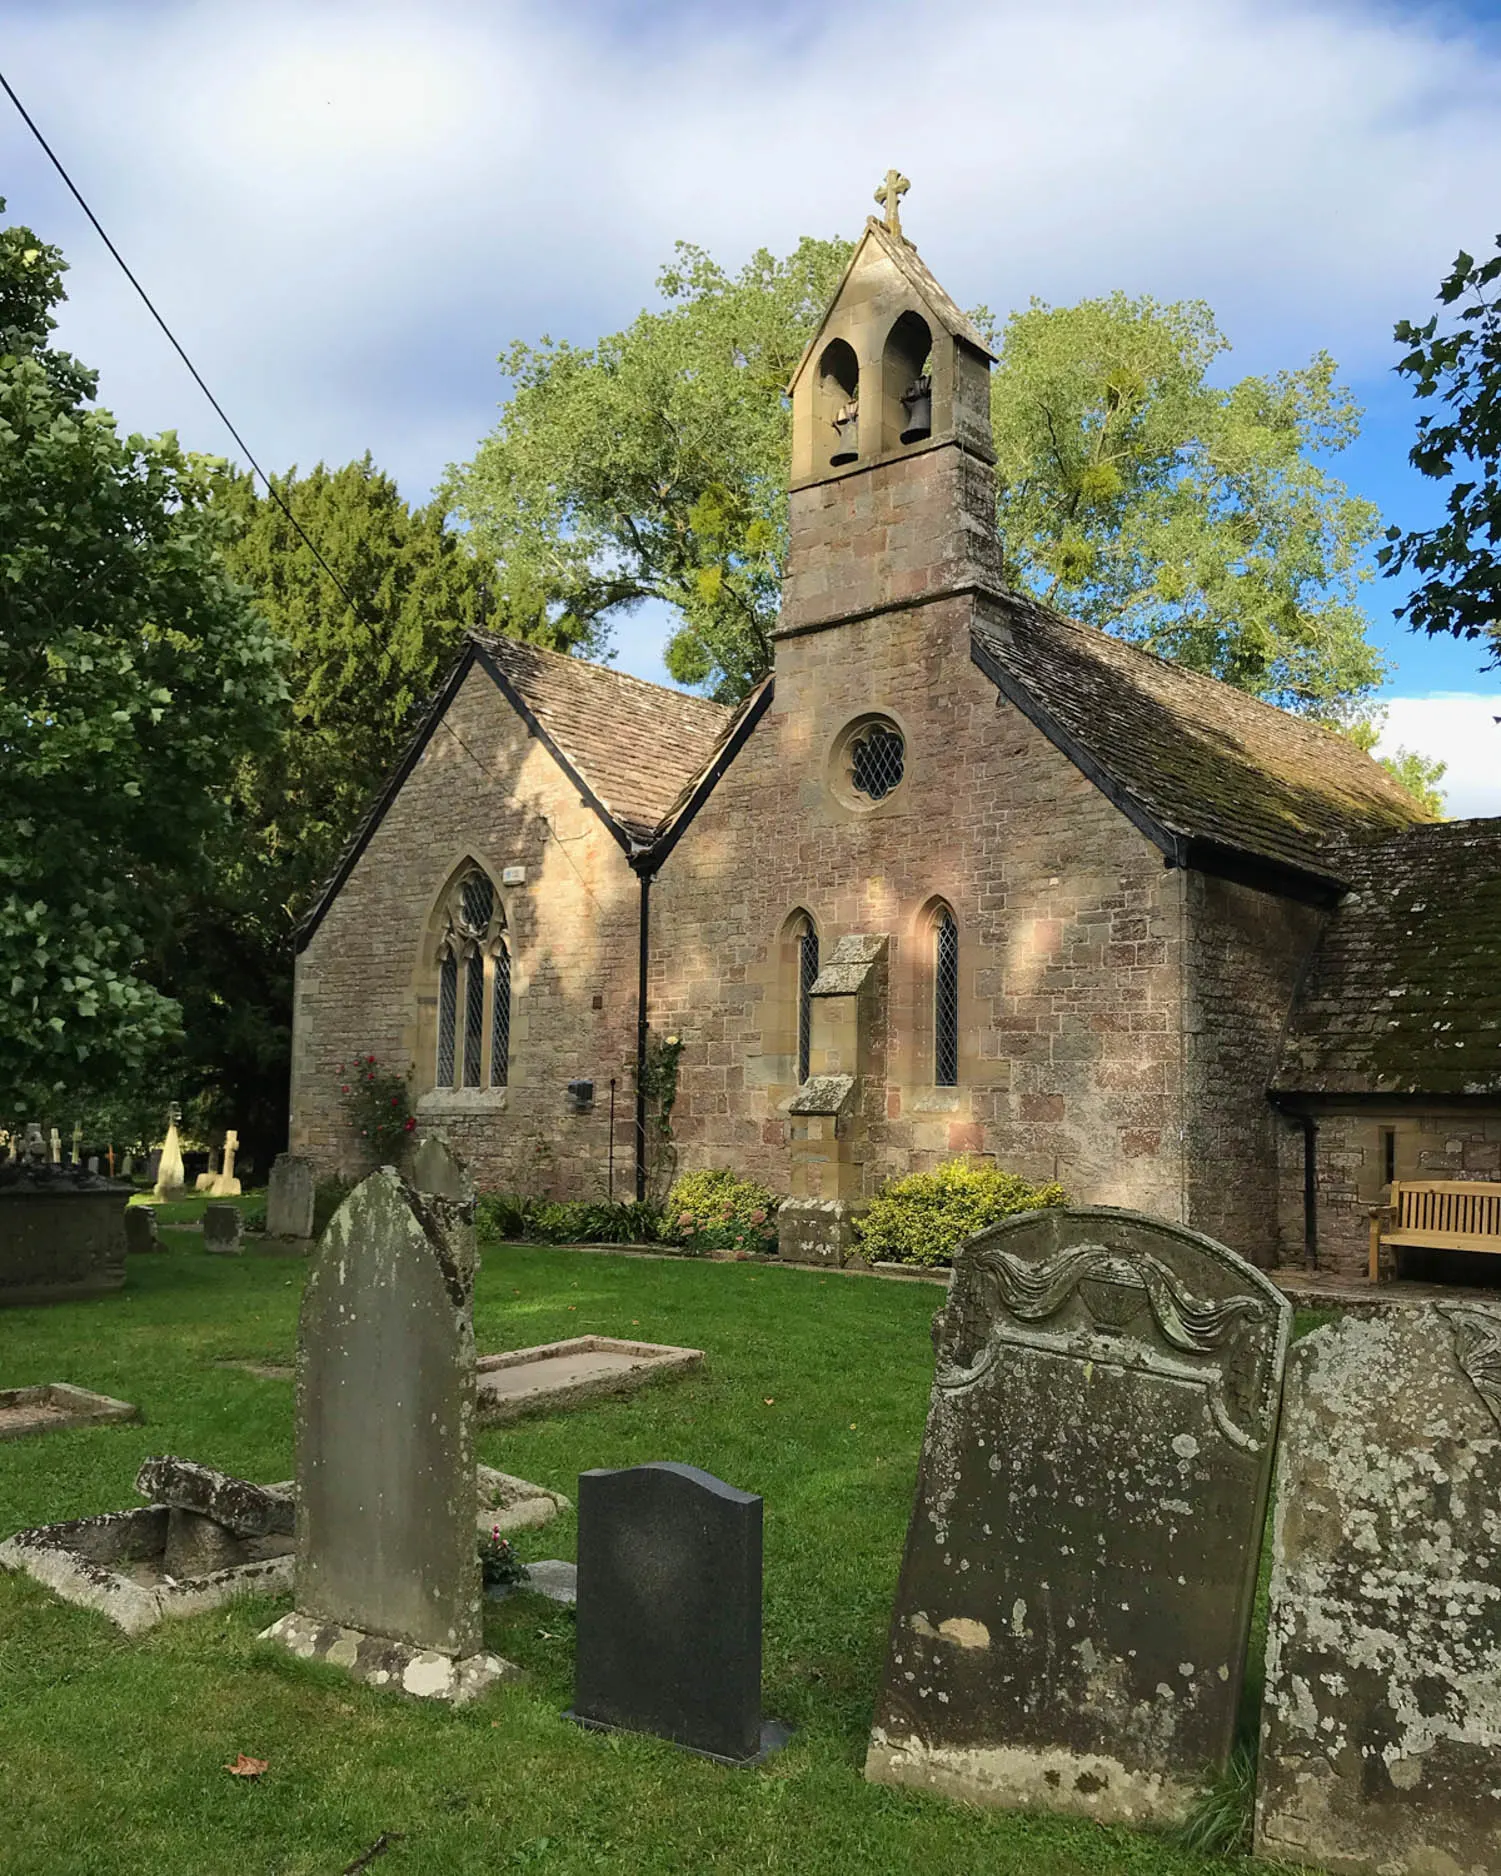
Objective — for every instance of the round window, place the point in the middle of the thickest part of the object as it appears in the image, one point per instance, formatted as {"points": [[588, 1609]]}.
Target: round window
{"points": [[876, 756]]}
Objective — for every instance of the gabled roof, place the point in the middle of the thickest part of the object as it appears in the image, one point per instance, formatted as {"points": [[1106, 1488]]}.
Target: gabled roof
{"points": [[635, 745], [906, 258], [1404, 992], [1200, 766]]}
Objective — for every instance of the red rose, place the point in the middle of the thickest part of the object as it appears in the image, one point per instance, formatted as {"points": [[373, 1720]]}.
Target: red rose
{"points": [[396, 1100], [410, 1124], [370, 1078], [370, 1059], [345, 1088]]}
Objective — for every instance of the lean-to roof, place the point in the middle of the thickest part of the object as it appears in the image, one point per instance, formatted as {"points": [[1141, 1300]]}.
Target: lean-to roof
{"points": [[1404, 992]]}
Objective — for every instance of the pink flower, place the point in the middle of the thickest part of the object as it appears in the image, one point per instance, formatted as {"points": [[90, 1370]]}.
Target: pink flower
{"points": [[370, 1078], [758, 1216], [686, 1218], [396, 1100], [410, 1125]]}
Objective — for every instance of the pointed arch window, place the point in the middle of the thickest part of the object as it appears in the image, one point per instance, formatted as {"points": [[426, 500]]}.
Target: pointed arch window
{"points": [[474, 987], [945, 1000], [807, 976]]}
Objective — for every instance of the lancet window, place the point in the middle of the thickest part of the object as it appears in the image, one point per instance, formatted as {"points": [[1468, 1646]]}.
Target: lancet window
{"points": [[474, 987], [945, 1000]]}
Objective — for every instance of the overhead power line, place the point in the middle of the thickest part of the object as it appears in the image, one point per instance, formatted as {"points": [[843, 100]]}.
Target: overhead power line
{"points": [[173, 341]]}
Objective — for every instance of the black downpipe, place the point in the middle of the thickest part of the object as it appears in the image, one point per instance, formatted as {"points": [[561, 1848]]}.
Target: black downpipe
{"points": [[642, 951], [1310, 1192]]}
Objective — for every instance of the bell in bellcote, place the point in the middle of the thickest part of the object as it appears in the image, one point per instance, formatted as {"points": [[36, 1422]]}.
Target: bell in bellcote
{"points": [[917, 402], [847, 431]]}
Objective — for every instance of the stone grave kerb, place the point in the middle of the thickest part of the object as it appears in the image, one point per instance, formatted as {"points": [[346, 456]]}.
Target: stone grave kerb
{"points": [[385, 1415]]}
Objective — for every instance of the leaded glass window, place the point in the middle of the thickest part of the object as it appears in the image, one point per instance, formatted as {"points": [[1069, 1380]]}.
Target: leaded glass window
{"points": [[500, 1017], [946, 1001], [807, 972], [448, 1007], [474, 1018], [877, 760]]}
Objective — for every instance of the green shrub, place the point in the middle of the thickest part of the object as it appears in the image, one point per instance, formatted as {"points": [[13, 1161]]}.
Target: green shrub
{"points": [[507, 1217], [719, 1211], [328, 1196], [504, 1217], [924, 1218]]}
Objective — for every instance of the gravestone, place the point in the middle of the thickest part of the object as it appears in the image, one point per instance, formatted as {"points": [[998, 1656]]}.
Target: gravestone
{"points": [[224, 1184], [223, 1228], [169, 1171], [204, 1181], [669, 1610], [290, 1197], [388, 1580], [1381, 1729], [140, 1228], [1071, 1618]]}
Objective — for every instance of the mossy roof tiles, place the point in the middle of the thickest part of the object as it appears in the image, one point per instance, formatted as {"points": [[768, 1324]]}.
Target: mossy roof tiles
{"points": [[1404, 992], [637, 745], [1205, 761]]}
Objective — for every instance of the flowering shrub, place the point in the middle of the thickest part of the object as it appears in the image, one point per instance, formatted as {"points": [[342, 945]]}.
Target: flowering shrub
{"points": [[924, 1218], [717, 1211], [505, 1217], [498, 1561], [376, 1101]]}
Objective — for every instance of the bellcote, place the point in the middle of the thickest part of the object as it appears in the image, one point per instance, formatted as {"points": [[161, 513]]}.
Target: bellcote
{"points": [[894, 368]]}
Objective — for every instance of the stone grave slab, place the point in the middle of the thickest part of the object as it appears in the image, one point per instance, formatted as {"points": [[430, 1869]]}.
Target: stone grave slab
{"points": [[55, 1405], [1072, 1613], [669, 1611], [554, 1375], [166, 1559], [1381, 1728], [506, 1503], [223, 1229], [385, 1437], [290, 1196], [140, 1229]]}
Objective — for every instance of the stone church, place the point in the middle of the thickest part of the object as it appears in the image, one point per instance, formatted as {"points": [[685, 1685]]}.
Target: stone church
{"points": [[961, 876]]}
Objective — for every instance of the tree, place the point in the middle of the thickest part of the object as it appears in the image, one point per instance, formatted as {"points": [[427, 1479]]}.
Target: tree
{"points": [[1459, 561], [1187, 517], [358, 675], [134, 676], [653, 465]]}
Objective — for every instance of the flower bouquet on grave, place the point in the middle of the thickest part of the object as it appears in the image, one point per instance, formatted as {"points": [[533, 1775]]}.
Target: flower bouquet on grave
{"points": [[500, 1567]]}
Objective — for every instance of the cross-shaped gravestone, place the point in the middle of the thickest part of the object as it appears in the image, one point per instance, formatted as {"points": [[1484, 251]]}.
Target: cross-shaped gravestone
{"points": [[889, 195], [55, 1140], [226, 1186], [77, 1142]]}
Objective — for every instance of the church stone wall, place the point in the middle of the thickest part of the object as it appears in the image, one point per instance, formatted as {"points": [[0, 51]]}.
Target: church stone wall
{"points": [[1246, 952], [1070, 929], [366, 983]]}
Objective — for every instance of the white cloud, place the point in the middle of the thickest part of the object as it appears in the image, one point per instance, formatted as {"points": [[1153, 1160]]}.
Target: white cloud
{"points": [[1457, 727], [346, 210]]}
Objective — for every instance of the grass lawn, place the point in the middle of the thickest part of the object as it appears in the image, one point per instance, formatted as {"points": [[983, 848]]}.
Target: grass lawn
{"points": [[814, 1393]]}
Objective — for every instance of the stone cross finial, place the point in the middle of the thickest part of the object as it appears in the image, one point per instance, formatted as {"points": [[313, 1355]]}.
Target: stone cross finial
{"points": [[889, 195]]}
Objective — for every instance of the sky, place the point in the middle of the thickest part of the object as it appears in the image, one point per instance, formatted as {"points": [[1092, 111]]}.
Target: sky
{"points": [[345, 211]]}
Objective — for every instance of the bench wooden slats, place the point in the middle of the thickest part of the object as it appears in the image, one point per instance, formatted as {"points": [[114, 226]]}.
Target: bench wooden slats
{"points": [[1440, 1215]]}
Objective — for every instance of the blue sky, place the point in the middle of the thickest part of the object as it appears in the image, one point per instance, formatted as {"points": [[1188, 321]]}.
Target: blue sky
{"points": [[346, 209]]}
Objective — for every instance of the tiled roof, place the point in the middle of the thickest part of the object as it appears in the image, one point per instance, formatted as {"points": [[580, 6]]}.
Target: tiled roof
{"points": [[636, 745], [1404, 993], [1206, 761]]}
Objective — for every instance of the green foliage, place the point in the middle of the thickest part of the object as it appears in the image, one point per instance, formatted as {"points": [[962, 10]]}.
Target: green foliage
{"points": [[653, 465], [499, 1564], [359, 676], [1189, 518], [328, 1196], [1459, 561], [378, 1105], [719, 1211], [510, 1217], [925, 1217], [134, 676], [1219, 1820], [1420, 775]]}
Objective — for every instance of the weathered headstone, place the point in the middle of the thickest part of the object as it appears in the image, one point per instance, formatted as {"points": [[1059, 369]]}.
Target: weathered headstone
{"points": [[290, 1197], [1071, 1619], [223, 1227], [140, 1229], [669, 1610], [169, 1172], [388, 1579], [1381, 1730]]}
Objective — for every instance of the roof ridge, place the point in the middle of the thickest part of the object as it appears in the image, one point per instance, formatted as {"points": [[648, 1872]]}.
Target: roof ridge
{"points": [[503, 641]]}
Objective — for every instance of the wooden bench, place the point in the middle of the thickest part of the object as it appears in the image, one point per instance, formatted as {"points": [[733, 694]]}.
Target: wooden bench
{"points": [[1439, 1215]]}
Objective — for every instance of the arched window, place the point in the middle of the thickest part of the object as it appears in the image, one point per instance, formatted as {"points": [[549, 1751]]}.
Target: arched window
{"points": [[945, 1000], [469, 971], [838, 401], [807, 974], [907, 383]]}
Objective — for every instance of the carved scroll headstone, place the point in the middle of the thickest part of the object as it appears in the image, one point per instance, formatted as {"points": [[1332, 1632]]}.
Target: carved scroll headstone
{"points": [[1071, 1618], [1381, 1730]]}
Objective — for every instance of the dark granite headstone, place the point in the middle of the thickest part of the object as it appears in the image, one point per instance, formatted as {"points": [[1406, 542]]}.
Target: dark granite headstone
{"points": [[669, 1609], [140, 1229], [223, 1227], [1381, 1731], [1071, 1620], [385, 1420]]}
